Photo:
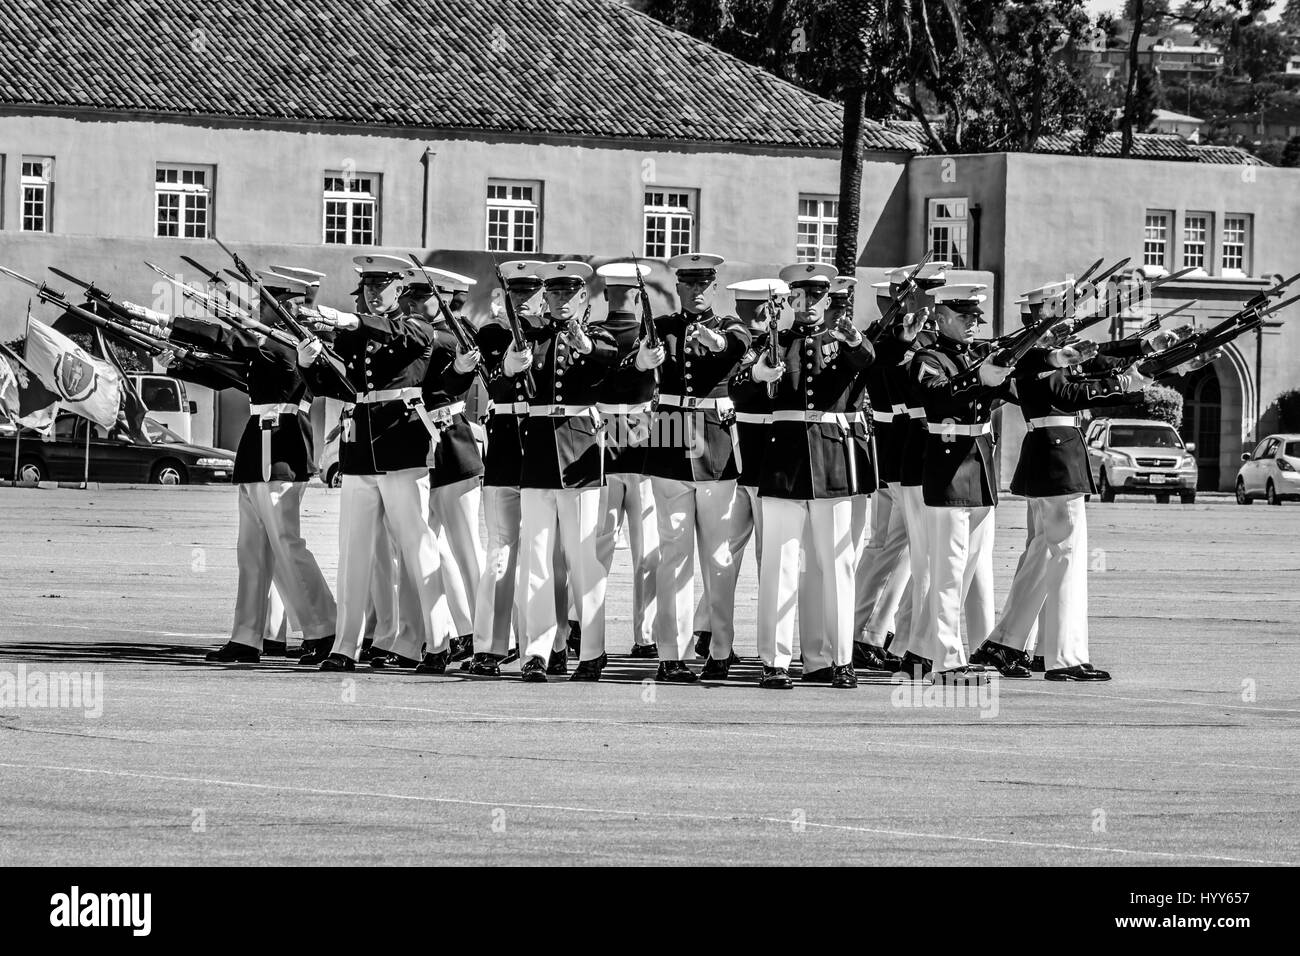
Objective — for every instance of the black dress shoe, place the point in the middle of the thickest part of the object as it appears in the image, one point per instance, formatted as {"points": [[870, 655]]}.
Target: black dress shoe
{"points": [[702, 641], [558, 664], [512, 655], [533, 671], [1038, 665], [295, 652], [1008, 661], [823, 675], [392, 660], [232, 653], [433, 664], [775, 678], [675, 672], [370, 653], [733, 658], [889, 639], [574, 640], [462, 648], [338, 662], [275, 649], [715, 670], [844, 676], [589, 670], [916, 666], [964, 674], [645, 650], [317, 650], [1079, 672], [485, 665], [872, 658]]}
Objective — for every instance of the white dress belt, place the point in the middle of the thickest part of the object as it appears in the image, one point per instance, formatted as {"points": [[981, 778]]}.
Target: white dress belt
{"points": [[276, 410], [637, 408], [507, 408], [900, 409], [914, 412], [389, 395], [1053, 421], [561, 411], [843, 419], [443, 414], [724, 406], [754, 418], [879, 416], [953, 428]]}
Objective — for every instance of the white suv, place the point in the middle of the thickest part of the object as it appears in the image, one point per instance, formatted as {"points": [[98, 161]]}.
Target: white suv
{"points": [[1272, 471], [1139, 456]]}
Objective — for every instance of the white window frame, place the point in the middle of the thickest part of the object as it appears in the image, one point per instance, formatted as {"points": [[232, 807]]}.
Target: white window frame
{"points": [[359, 194], [1197, 240], [195, 201], [670, 219], [948, 225], [1240, 250], [520, 210], [36, 186], [1150, 239], [820, 224]]}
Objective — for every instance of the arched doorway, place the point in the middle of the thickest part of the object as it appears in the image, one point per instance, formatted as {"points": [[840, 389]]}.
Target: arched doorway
{"points": [[1203, 423]]}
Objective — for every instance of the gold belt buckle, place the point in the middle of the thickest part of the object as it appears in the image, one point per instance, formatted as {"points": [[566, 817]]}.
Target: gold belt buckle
{"points": [[557, 410], [814, 416], [691, 401]]}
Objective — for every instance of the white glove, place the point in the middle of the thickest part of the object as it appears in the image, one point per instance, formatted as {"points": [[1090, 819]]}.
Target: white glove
{"points": [[847, 332], [912, 324], [309, 351], [648, 357], [1056, 336], [763, 372], [577, 338], [467, 361], [516, 362], [993, 375], [1075, 353], [1135, 381], [330, 318], [709, 339], [1161, 340]]}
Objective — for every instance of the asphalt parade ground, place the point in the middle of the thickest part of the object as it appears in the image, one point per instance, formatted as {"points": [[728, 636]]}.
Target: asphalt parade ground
{"points": [[1188, 757]]}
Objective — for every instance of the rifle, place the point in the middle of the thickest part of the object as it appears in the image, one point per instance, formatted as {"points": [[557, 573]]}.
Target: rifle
{"points": [[879, 327], [773, 339], [217, 279], [1155, 322], [648, 331], [1198, 343], [465, 338], [223, 311], [1011, 348], [516, 332]]}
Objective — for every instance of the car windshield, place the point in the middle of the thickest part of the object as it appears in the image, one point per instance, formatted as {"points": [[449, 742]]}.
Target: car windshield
{"points": [[161, 434], [1291, 449], [1144, 436]]}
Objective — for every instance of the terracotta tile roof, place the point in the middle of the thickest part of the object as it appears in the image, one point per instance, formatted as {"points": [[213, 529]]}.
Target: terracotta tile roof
{"points": [[568, 67]]}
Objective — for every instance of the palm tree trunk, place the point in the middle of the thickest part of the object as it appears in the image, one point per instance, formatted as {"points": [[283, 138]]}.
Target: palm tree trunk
{"points": [[850, 208]]}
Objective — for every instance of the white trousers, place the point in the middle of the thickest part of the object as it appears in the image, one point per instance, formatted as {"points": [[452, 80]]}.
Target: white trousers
{"points": [[498, 613], [748, 523], [917, 592], [399, 503], [883, 569], [1050, 590], [960, 603], [574, 514], [271, 548], [453, 516], [629, 498], [807, 564], [691, 514]]}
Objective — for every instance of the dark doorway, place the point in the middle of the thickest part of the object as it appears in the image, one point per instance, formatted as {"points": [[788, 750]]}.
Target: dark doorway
{"points": [[1202, 420]]}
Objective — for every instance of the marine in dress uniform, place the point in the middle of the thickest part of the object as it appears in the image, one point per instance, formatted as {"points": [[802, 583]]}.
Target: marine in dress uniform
{"points": [[901, 461], [692, 461], [959, 483], [385, 357], [562, 469], [498, 613], [818, 458], [625, 398], [273, 463]]}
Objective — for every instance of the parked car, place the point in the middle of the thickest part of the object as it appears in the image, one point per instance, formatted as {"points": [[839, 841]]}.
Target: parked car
{"points": [[1272, 470], [167, 402], [329, 460], [115, 458], [1138, 456]]}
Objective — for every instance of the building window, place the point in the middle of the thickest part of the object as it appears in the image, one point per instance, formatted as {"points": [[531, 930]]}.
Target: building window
{"points": [[947, 230], [1196, 237], [514, 216], [351, 209], [1155, 241], [1236, 245], [182, 201], [38, 193], [818, 221], [669, 222]]}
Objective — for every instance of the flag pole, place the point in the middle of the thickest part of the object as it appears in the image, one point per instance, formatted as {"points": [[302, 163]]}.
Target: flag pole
{"points": [[85, 479], [18, 438]]}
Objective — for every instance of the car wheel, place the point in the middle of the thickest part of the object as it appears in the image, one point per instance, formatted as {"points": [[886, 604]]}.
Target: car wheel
{"points": [[334, 477], [1162, 499], [1273, 499], [168, 473], [1104, 490], [1242, 497], [1188, 497], [30, 470]]}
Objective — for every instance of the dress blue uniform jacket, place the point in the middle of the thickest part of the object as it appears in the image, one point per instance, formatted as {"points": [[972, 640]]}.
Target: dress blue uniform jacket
{"points": [[502, 461], [810, 459], [628, 435], [456, 456], [273, 378], [695, 445], [750, 397], [910, 436]]}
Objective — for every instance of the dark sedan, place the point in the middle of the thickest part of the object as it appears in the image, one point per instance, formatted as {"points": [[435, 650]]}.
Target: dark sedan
{"points": [[168, 461]]}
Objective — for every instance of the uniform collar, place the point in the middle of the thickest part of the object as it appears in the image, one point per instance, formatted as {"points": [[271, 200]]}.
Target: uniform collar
{"points": [[808, 329], [704, 318], [951, 346]]}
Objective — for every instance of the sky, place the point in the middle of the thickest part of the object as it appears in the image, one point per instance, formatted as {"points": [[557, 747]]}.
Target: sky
{"points": [[1116, 6]]}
